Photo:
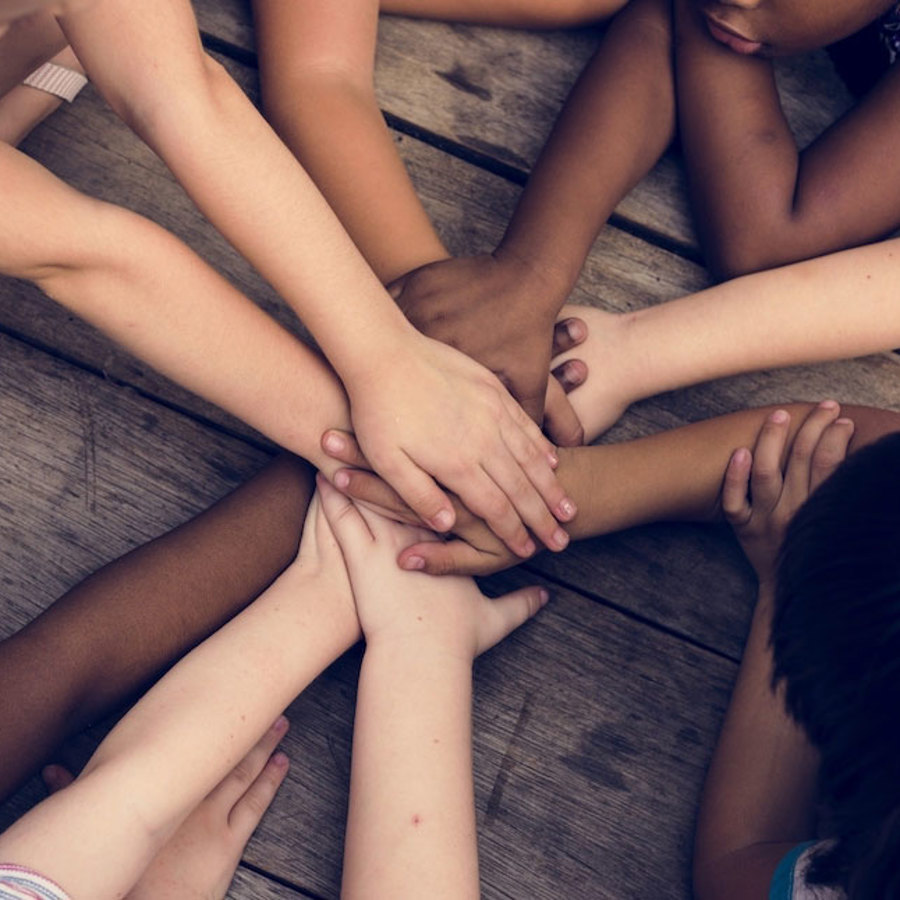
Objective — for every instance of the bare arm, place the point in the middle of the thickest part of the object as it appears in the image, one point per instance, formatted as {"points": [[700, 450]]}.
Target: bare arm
{"points": [[316, 70], [759, 796], [109, 636], [759, 201], [672, 476], [237, 171]]}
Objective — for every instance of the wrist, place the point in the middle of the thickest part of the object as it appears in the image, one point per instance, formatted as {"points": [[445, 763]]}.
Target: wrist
{"points": [[551, 280], [434, 651]]}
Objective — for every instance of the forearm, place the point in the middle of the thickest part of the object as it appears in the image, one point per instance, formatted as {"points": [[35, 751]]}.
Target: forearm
{"points": [[206, 713], [316, 70], [760, 787], [154, 296], [677, 475], [616, 123], [411, 823], [834, 307], [741, 158], [110, 635], [236, 170]]}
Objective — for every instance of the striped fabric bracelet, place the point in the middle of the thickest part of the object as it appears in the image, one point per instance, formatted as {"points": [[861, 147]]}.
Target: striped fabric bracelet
{"points": [[57, 80]]}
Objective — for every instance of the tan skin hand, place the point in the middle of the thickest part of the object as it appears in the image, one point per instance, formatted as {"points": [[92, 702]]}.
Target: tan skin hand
{"points": [[486, 306], [762, 492]]}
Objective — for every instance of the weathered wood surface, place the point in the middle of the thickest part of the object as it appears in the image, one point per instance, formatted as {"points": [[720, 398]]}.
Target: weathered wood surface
{"points": [[594, 723], [487, 93]]}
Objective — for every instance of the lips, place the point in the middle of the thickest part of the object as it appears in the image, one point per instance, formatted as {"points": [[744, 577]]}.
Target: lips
{"points": [[731, 39]]}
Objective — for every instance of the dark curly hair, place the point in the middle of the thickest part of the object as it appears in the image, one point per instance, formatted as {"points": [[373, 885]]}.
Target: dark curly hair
{"points": [[836, 644]]}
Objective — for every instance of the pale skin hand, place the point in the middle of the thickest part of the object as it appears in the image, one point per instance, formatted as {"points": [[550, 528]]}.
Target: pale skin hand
{"points": [[236, 170], [759, 797], [411, 823]]}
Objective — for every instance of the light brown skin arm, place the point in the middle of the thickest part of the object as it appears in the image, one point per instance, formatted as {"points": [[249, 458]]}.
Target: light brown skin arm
{"points": [[672, 476]]}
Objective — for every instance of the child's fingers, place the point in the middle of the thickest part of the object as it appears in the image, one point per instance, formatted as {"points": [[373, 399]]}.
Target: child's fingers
{"points": [[570, 374], [505, 614], [765, 474], [797, 473], [342, 446], [235, 784], [250, 807], [830, 452], [347, 523], [735, 488], [560, 420], [419, 491], [452, 558]]}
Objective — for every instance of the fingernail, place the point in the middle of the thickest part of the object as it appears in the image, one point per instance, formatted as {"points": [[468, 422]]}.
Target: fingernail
{"points": [[413, 563], [560, 539], [334, 443], [575, 329], [567, 508], [553, 459], [528, 548], [544, 595], [779, 417], [828, 404], [341, 480], [280, 724], [843, 421], [443, 520], [280, 760]]}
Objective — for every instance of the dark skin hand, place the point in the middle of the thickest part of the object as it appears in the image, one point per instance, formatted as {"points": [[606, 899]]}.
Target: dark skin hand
{"points": [[487, 307]]}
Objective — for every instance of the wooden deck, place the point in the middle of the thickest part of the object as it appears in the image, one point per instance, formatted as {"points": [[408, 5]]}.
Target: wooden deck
{"points": [[594, 723]]}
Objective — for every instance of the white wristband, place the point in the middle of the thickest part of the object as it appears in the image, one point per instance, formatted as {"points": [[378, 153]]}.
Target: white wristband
{"points": [[57, 80]]}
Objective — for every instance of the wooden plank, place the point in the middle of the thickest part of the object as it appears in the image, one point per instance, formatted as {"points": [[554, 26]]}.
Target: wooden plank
{"points": [[497, 92]]}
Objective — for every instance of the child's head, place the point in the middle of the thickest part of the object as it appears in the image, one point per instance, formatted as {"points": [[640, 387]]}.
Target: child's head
{"points": [[784, 27], [836, 642]]}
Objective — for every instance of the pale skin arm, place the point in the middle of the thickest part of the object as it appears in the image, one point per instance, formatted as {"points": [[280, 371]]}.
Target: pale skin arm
{"points": [[834, 307], [411, 822], [452, 421], [206, 713], [759, 201], [759, 796], [165, 305]]}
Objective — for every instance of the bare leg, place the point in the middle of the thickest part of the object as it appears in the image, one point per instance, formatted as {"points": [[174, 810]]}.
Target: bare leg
{"points": [[109, 636]]}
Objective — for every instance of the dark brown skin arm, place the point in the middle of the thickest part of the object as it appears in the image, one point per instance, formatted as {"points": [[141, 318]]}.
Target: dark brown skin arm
{"points": [[500, 307], [758, 201], [109, 636]]}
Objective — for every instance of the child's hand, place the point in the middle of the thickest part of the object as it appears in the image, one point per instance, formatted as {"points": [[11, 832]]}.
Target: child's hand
{"points": [[496, 311], [448, 615], [430, 413], [759, 501]]}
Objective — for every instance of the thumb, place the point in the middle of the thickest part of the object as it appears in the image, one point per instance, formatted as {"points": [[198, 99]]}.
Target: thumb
{"points": [[505, 614]]}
